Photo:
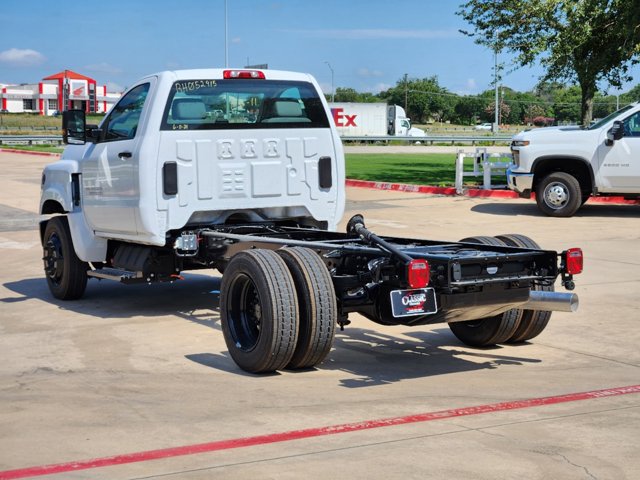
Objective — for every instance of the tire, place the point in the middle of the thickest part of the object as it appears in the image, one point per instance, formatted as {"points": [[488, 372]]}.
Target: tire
{"points": [[533, 322], [492, 330], [318, 308], [559, 195], [259, 311], [66, 274]]}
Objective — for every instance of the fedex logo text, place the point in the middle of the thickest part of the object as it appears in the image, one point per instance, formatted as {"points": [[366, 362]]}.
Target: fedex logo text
{"points": [[342, 119]]}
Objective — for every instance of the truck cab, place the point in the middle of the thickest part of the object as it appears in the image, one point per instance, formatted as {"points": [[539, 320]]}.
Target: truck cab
{"points": [[198, 147], [565, 166]]}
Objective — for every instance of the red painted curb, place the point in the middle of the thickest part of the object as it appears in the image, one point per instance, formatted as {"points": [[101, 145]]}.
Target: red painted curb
{"points": [[310, 432], [471, 192], [29, 152]]}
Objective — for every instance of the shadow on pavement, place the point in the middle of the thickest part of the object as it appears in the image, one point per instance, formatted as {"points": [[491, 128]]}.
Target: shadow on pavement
{"points": [[377, 358], [530, 209], [195, 298], [369, 357]]}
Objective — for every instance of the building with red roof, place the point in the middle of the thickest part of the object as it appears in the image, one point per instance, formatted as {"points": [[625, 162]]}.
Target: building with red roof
{"points": [[66, 90]]}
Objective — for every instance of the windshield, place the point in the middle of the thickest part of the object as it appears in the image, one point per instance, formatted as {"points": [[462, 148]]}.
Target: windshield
{"points": [[608, 118], [205, 104]]}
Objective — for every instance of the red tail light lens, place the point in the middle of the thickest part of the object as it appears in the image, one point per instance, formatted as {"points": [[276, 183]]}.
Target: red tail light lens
{"points": [[573, 261], [255, 74], [418, 273]]}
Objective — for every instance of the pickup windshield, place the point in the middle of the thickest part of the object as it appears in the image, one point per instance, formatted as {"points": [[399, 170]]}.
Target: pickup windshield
{"points": [[206, 104], [608, 118]]}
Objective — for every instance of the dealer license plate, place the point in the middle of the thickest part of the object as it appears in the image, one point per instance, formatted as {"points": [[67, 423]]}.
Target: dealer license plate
{"points": [[406, 303]]}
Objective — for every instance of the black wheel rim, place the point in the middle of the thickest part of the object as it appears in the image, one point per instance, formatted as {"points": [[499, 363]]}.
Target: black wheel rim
{"points": [[245, 314], [54, 259]]}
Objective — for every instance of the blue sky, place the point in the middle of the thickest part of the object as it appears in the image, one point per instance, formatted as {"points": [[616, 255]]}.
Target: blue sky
{"points": [[370, 44]]}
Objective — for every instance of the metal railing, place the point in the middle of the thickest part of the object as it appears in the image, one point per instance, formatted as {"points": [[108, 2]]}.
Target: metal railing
{"points": [[428, 140], [485, 165], [435, 139], [30, 140]]}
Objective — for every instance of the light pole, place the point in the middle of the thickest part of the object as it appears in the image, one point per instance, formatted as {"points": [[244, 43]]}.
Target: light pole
{"points": [[226, 34], [332, 91], [495, 80]]}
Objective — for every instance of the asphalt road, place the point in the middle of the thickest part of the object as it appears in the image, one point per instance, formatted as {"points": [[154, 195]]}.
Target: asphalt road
{"points": [[104, 382]]}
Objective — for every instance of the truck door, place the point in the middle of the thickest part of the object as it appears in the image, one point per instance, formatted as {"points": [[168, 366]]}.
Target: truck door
{"points": [[110, 181], [619, 164]]}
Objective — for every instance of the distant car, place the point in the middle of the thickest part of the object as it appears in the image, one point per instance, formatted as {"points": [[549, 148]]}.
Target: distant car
{"points": [[4, 110], [484, 126]]}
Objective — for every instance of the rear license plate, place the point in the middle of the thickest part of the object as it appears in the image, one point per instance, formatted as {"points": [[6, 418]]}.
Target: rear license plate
{"points": [[405, 303]]}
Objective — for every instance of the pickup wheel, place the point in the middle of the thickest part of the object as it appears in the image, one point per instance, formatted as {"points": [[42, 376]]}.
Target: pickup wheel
{"points": [[533, 322], [259, 311], [66, 274], [487, 331], [318, 309], [559, 195]]}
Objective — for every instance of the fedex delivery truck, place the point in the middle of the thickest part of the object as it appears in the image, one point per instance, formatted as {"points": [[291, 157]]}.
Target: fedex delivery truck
{"points": [[372, 120]]}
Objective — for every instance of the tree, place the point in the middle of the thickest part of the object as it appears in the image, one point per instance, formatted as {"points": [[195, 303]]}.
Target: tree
{"points": [[426, 99], [587, 42]]}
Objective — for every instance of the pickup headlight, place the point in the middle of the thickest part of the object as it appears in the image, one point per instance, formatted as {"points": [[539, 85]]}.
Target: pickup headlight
{"points": [[520, 143]]}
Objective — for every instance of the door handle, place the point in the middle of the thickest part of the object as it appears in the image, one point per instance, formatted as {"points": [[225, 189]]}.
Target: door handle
{"points": [[123, 155]]}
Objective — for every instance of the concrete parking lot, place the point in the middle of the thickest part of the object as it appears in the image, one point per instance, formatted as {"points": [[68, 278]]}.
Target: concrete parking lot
{"points": [[100, 386]]}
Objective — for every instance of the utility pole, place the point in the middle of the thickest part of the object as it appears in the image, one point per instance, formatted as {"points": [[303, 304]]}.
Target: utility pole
{"points": [[495, 80], [406, 92]]}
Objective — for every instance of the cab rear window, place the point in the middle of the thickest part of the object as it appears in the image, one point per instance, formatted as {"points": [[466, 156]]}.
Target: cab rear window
{"points": [[205, 104]]}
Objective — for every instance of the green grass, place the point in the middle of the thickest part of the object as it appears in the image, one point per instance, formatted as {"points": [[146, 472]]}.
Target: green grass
{"points": [[34, 148], [436, 169]]}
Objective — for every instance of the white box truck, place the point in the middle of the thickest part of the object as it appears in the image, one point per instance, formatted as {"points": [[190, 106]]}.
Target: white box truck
{"points": [[372, 120]]}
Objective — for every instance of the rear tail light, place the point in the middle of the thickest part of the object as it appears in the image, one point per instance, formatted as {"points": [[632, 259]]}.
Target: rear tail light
{"points": [[256, 74], [418, 273], [573, 261]]}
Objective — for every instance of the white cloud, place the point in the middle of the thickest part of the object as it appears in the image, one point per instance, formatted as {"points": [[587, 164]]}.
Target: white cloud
{"points": [[21, 57], [377, 88], [377, 33], [103, 67], [366, 73], [236, 40], [113, 87]]}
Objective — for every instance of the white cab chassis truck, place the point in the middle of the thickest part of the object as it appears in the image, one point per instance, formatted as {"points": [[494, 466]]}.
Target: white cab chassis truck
{"points": [[242, 171], [565, 166]]}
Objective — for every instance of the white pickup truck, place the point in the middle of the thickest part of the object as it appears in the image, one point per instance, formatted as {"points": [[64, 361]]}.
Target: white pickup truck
{"points": [[564, 166], [243, 171]]}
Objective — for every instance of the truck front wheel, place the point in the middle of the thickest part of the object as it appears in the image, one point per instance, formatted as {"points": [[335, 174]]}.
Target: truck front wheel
{"points": [[317, 303], [259, 311], [66, 273], [559, 195]]}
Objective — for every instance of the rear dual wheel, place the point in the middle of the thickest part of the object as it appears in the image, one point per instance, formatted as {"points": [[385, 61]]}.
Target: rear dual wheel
{"points": [[491, 330], [514, 326], [533, 322], [278, 310]]}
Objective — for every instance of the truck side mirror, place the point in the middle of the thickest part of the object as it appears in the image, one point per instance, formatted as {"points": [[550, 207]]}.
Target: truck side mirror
{"points": [[616, 132], [74, 124]]}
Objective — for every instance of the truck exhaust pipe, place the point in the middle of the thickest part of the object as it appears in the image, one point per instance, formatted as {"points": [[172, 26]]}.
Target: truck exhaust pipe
{"points": [[551, 301]]}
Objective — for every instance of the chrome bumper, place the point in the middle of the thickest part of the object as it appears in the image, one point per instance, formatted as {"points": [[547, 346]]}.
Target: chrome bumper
{"points": [[521, 183]]}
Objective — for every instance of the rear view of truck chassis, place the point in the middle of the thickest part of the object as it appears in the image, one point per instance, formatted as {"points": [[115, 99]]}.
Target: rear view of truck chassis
{"points": [[285, 289]]}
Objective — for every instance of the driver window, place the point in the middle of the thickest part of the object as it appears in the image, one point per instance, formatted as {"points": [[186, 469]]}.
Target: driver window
{"points": [[632, 125], [123, 119]]}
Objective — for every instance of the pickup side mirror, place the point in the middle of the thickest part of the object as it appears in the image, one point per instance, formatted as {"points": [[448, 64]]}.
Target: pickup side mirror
{"points": [[616, 132], [74, 123]]}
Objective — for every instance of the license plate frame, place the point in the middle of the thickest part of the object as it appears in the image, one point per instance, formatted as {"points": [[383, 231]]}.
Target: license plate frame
{"points": [[409, 303]]}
